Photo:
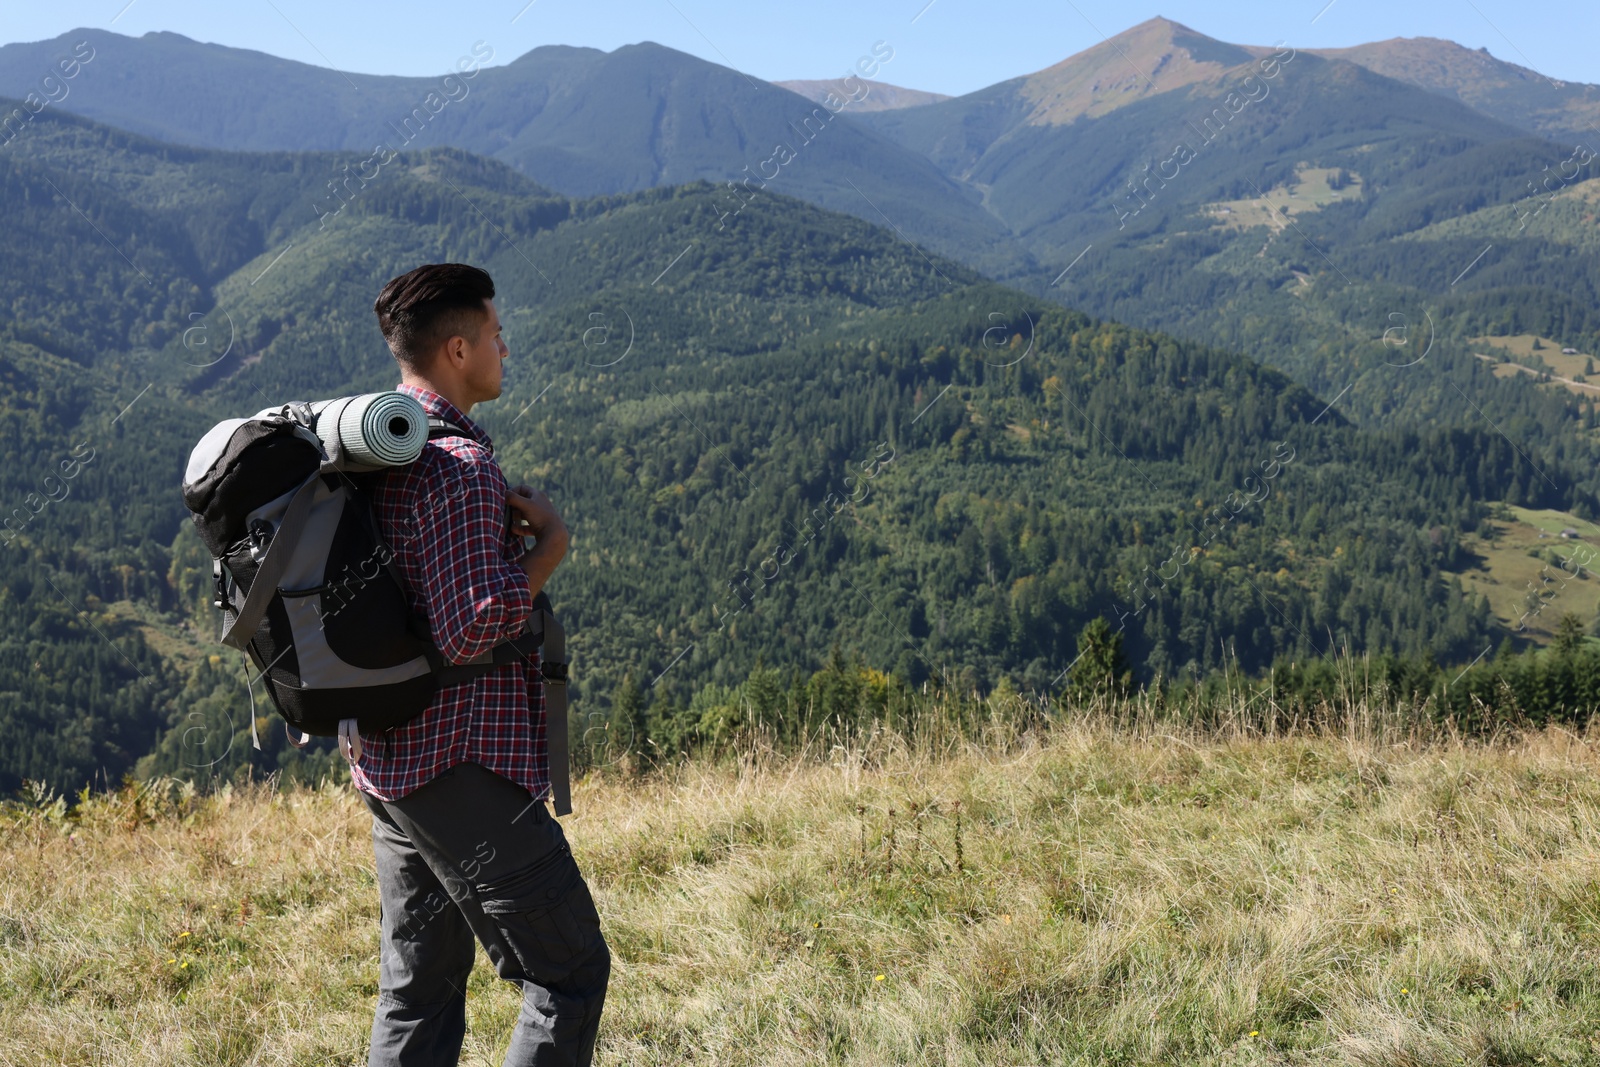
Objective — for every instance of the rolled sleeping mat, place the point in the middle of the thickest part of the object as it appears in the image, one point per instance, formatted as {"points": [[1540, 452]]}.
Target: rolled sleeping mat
{"points": [[373, 429]]}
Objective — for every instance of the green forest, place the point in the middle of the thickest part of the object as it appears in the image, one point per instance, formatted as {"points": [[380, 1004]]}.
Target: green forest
{"points": [[806, 464]]}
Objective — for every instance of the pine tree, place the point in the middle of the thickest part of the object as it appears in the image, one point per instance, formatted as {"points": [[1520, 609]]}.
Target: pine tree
{"points": [[1101, 666], [625, 728], [1569, 634]]}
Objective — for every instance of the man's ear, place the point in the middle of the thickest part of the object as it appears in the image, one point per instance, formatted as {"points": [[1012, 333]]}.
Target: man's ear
{"points": [[454, 351]]}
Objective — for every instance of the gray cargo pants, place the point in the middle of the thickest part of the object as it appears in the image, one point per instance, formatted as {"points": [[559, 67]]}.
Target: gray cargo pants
{"points": [[470, 853]]}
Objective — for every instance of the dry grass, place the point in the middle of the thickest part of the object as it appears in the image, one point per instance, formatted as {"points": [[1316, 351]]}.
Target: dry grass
{"points": [[1087, 894]]}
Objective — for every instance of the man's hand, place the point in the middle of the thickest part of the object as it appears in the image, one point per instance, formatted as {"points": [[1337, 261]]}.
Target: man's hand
{"points": [[532, 515]]}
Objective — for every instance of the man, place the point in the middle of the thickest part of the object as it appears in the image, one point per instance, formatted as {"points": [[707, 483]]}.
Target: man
{"points": [[464, 844]]}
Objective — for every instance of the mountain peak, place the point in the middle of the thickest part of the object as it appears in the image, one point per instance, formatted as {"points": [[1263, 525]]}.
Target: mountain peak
{"points": [[1160, 22], [1156, 56]]}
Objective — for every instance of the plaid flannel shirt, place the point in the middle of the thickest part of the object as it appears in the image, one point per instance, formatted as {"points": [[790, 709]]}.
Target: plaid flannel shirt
{"points": [[446, 519]]}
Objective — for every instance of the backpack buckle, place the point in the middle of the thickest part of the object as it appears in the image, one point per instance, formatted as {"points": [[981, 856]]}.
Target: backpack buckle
{"points": [[554, 672], [219, 584], [260, 534]]}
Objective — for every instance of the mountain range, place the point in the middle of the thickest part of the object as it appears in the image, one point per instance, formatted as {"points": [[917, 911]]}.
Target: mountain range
{"points": [[581, 121], [1118, 181], [169, 86], [1259, 462]]}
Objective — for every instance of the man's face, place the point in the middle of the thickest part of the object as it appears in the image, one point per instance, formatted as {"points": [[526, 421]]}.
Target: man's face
{"points": [[482, 370]]}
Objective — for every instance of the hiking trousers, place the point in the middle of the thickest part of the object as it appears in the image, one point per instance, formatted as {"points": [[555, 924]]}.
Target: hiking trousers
{"points": [[471, 854]]}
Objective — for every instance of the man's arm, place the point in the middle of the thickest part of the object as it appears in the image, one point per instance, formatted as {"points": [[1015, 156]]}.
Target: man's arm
{"points": [[475, 596]]}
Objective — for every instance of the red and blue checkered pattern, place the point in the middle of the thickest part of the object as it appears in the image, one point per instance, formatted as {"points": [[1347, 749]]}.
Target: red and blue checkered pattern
{"points": [[446, 518]]}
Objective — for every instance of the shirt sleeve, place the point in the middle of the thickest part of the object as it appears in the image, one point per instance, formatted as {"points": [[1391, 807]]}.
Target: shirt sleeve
{"points": [[475, 596]]}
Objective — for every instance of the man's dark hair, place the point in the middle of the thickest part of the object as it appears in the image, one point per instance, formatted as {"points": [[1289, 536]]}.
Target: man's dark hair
{"points": [[422, 308]]}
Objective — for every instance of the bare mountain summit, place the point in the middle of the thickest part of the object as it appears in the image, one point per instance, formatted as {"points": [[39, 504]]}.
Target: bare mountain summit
{"points": [[1564, 111], [1154, 57]]}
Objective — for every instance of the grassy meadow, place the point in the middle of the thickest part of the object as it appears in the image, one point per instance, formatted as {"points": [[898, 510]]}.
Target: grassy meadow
{"points": [[1570, 372], [1526, 549], [1311, 190], [1104, 887]]}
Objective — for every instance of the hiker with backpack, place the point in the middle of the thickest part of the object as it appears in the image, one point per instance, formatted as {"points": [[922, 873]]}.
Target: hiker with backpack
{"points": [[463, 841], [368, 559]]}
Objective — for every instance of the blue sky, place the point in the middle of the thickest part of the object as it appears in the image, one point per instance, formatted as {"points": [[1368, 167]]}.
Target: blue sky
{"points": [[950, 46]]}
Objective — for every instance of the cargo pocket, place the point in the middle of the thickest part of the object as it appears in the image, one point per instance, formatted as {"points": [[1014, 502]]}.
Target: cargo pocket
{"points": [[546, 916]]}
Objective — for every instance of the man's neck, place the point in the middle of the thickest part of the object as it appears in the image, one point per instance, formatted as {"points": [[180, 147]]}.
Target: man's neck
{"points": [[462, 404]]}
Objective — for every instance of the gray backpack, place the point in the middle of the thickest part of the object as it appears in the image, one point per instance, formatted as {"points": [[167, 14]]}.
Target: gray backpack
{"points": [[307, 585]]}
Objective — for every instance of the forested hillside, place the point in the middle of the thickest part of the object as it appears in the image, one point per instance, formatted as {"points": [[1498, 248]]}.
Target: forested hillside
{"points": [[770, 438]]}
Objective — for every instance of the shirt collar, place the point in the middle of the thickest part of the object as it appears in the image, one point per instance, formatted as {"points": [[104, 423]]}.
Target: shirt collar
{"points": [[434, 404]]}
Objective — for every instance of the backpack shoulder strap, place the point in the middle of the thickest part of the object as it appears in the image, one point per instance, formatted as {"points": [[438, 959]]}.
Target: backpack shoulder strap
{"points": [[553, 665], [442, 427], [544, 632], [237, 631]]}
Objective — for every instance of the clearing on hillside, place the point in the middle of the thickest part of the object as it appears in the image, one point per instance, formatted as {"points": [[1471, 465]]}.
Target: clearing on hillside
{"points": [[1529, 354], [1313, 188], [1532, 575]]}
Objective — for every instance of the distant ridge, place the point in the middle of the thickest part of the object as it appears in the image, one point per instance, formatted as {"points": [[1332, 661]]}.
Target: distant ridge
{"points": [[577, 120], [1561, 110], [881, 96]]}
